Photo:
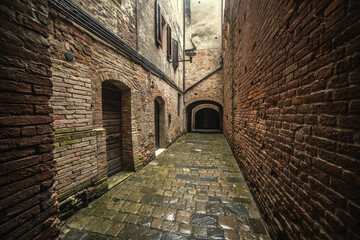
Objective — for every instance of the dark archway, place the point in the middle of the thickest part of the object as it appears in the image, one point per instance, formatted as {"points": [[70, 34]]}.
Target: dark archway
{"points": [[207, 118], [191, 106], [159, 105]]}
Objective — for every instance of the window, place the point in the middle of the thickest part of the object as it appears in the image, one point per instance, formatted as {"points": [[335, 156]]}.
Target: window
{"points": [[175, 54], [179, 104], [168, 41], [158, 24]]}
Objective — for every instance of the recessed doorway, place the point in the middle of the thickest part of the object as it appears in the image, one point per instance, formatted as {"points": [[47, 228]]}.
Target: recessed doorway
{"points": [[159, 123], [207, 118]]}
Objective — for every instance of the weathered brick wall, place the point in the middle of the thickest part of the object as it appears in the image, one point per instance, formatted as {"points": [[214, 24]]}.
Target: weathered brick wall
{"points": [[291, 88], [203, 75], [204, 62], [119, 16], [209, 89], [171, 12], [78, 115], [28, 202]]}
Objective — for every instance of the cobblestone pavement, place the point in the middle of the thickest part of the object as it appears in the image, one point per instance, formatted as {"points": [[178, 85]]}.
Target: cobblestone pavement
{"points": [[194, 190]]}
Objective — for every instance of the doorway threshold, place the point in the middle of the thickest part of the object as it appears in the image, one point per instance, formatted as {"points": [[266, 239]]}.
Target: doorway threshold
{"points": [[159, 151], [118, 178]]}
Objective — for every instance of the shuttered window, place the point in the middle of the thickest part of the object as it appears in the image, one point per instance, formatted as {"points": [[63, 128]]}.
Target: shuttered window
{"points": [[158, 24], [168, 41], [175, 54]]}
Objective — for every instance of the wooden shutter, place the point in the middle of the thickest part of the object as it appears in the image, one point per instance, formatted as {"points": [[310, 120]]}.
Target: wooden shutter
{"points": [[175, 54], [168, 41], [158, 24]]}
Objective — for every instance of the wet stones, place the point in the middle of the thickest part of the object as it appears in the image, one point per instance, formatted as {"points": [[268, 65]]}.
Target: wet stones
{"points": [[227, 222], [131, 231], [236, 210], [188, 197], [257, 225], [203, 220]]}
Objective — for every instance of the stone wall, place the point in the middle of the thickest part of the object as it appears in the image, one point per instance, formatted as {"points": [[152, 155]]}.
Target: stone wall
{"points": [[291, 112], [78, 115], [28, 202]]}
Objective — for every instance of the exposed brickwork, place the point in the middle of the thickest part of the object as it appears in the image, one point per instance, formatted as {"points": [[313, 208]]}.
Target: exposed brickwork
{"points": [[117, 15], [204, 62], [28, 202], [209, 89], [203, 80], [80, 137], [291, 112], [172, 15]]}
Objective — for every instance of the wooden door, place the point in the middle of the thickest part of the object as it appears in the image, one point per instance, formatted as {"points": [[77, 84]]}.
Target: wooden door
{"points": [[112, 120]]}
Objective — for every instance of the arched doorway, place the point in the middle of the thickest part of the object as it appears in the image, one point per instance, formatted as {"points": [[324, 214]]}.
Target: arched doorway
{"points": [[159, 123], [207, 118], [195, 107], [115, 120]]}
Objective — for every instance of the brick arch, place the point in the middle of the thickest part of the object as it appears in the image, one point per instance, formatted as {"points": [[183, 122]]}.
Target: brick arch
{"points": [[160, 99], [210, 100], [118, 77], [96, 88], [189, 109], [198, 108], [126, 87]]}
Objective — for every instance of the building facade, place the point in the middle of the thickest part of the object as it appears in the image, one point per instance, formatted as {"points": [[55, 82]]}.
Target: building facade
{"points": [[203, 86], [117, 100]]}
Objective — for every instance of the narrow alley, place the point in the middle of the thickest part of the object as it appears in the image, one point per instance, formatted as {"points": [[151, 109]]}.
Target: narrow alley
{"points": [[193, 190], [92, 91]]}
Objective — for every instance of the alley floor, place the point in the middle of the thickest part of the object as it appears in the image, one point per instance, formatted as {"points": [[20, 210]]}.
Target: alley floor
{"points": [[193, 190]]}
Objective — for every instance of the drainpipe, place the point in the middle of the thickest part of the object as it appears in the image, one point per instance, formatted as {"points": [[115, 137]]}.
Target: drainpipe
{"points": [[183, 51], [184, 112]]}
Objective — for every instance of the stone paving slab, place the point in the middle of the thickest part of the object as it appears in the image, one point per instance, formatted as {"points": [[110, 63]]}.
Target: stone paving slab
{"points": [[193, 190]]}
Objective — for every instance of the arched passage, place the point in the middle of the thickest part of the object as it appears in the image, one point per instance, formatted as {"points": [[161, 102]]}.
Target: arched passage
{"points": [[159, 105], [116, 120], [218, 115], [207, 118]]}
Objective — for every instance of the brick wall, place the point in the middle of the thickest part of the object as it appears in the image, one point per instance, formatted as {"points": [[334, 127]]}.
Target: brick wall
{"points": [[208, 89], [28, 202], [291, 112], [119, 16], [204, 62], [203, 80], [78, 115], [171, 12]]}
